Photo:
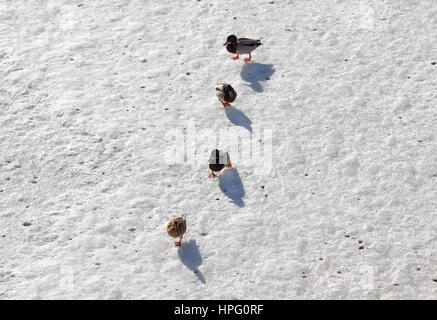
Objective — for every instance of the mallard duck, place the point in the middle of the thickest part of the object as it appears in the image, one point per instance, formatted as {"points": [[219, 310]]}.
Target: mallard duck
{"points": [[217, 161], [241, 46], [176, 228], [225, 93]]}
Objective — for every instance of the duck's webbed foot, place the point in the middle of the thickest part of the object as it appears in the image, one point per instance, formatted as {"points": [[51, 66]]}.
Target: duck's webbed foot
{"points": [[178, 243], [225, 104]]}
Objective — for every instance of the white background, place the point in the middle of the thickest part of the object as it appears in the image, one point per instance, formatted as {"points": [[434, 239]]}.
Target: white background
{"points": [[351, 103]]}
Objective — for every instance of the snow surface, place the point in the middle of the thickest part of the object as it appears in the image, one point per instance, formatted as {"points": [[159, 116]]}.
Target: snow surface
{"points": [[90, 90]]}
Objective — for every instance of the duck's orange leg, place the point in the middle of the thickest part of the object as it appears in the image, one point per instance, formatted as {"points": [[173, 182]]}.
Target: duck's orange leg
{"points": [[225, 104], [236, 57], [212, 175], [178, 243], [229, 165], [248, 59]]}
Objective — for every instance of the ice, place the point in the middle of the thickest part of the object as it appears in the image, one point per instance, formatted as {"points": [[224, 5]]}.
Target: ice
{"points": [[90, 93]]}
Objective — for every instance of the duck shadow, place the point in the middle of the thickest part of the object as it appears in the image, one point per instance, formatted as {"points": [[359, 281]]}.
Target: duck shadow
{"points": [[189, 255], [231, 185], [238, 118], [254, 73]]}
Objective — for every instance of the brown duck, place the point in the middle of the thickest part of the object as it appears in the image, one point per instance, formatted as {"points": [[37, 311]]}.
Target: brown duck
{"points": [[176, 228]]}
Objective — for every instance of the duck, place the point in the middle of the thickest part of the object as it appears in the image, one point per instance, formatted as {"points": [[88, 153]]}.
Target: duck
{"points": [[176, 228], [241, 46], [225, 93], [217, 161]]}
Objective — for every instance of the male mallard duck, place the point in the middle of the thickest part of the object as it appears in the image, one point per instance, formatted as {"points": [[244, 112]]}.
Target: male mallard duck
{"points": [[176, 228], [217, 161], [241, 46], [225, 93]]}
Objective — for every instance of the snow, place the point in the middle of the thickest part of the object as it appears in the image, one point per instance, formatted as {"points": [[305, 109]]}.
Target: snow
{"points": [[95, 95]]}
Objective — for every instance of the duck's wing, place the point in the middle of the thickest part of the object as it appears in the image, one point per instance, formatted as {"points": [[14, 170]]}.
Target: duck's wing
{"points": [[249, 42], [246, 45]]}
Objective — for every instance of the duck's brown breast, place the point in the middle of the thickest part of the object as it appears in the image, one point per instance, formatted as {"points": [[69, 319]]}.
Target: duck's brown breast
{"points": [[231, 47], [216, 166]]}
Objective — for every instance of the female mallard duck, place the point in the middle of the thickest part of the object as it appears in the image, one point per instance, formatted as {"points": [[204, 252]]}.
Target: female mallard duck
{"points": [[225, 93], [217, 161], [176, 228], [241, 46]]}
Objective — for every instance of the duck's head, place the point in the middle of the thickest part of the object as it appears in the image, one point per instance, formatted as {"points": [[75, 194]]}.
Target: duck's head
{"points": [[231, 39]]}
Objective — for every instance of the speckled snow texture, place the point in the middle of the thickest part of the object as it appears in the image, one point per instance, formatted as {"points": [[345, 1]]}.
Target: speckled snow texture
{"points": [[88, 90]]}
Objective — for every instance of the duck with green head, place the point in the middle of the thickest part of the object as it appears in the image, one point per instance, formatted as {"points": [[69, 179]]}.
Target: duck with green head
{"points": [[225, 93], [217, 161], [241, 46]]}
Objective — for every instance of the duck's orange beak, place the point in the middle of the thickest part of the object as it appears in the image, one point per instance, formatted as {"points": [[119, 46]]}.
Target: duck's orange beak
{"points": [[226, 43]]}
